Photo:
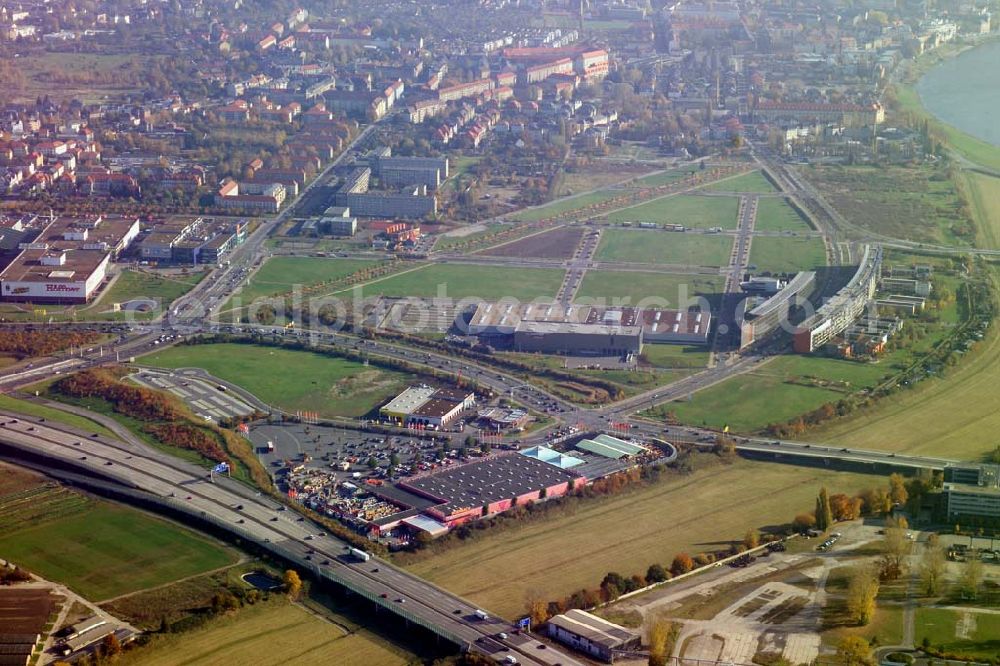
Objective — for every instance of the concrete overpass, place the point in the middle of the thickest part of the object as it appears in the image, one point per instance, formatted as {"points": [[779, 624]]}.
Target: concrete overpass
{"points": [[156, 479]]}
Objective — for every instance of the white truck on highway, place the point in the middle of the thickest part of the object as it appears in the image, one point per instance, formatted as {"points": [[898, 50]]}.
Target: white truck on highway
{"points": [[360, 554], [482, 615]]}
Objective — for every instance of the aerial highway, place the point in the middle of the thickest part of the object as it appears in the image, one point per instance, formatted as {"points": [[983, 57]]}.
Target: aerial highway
{"points": [[186, 488]]}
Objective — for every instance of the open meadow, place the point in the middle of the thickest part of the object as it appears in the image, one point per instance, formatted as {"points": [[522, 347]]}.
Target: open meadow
{"points": [[774, 214], [956, 416], [690, 210], [787, 255], [273, 633], [752, 183], [917, 204], [458, 281], [984, 196], [289, 379], [631, 287], [279, 275], [132, 285], [556, 556], [97, 548], [651, 246]]}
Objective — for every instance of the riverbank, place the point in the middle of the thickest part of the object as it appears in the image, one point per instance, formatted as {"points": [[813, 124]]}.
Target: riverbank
{"points": [[908, 101]]}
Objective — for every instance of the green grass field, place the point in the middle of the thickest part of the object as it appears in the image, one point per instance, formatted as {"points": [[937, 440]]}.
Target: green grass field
{"points": [[32, 409], [941, 626], [688, 209], [134, 284], [280, 275], [457, 281], [886, 626], [649, 246], [273, 633], [632, 287], [952, 417], [675, 356], [787, 255], [292, 380], [753, 182], [628, 532], [780, 390], [98, 549], [777, 215]]}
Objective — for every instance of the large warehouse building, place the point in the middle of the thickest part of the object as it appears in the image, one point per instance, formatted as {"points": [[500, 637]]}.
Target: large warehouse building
{"points": [[490, 486], [592, 635], [584, 329], [427, 407], [67, 261]]}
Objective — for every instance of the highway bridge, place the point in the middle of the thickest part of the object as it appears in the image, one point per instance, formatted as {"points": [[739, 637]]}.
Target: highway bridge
{"points": [[143, 475]]}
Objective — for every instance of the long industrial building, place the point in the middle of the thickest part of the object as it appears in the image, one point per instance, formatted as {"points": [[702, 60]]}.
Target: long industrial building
{"points": [[840, 311], [763, 318], [592, 635], [584, 329]]}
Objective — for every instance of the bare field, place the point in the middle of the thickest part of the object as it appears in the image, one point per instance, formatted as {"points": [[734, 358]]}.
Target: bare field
{"points": [[556, 244]]}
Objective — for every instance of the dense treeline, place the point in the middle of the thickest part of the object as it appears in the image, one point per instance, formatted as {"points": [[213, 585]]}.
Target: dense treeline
{"points": [[24, 344]]}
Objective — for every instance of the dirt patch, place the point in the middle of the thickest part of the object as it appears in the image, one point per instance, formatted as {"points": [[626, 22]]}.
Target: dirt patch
{"points": [[363, 382], [15, 479], [556, 244]]}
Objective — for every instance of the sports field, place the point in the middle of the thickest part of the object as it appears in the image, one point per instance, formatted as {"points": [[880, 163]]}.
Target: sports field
{"points": [[690, 210], [292, 380], [650, 246], [273, 633], [281, 274], [629, 288], [753, 182], [98, 549], [457, 281], [628, 532], [787, 255], [775, 214]]}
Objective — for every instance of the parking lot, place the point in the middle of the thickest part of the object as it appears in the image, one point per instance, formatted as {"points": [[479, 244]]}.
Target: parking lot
{"points": [[203, 397], [341, 448]]}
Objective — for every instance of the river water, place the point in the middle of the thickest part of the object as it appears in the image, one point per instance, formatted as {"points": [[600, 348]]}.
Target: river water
{"points": [[964, 92]]}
